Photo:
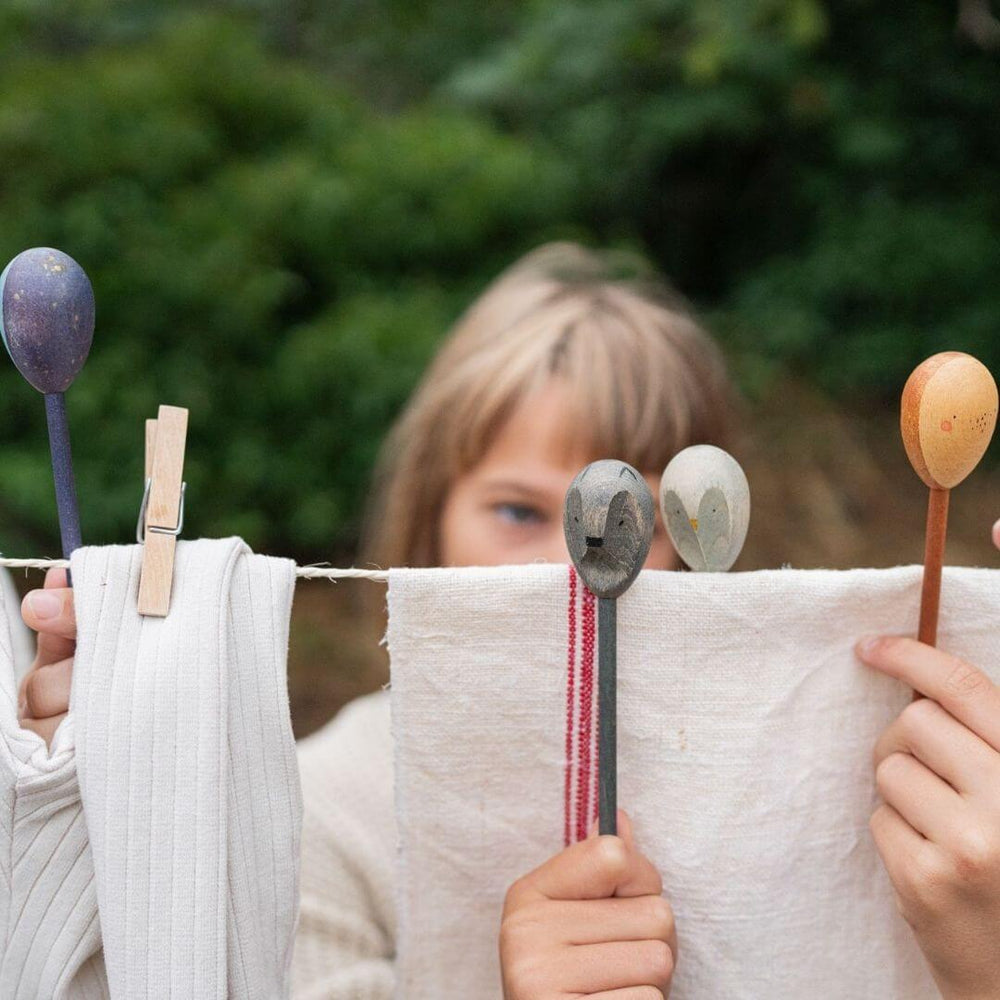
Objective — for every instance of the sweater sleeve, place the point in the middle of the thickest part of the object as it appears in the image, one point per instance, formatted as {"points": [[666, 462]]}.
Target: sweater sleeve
{"points": [[345, 945], [48, 906]]}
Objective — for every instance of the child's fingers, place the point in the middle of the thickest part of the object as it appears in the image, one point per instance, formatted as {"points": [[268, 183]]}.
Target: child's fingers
{"points": [[52, 649], [631, 993], [909, 858], [614, 965], [959, 687], [45, 728], [45, 691], [51, 645], [639, 918], [643, 879], [943, 744], [582, 923], [625, 829], [931, 806], [996, 534], [55, 579], [50, 610], [591, 869]]}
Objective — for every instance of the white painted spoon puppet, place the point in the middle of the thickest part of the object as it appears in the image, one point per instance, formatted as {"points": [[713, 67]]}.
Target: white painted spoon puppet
{"points": [[705, 502]]}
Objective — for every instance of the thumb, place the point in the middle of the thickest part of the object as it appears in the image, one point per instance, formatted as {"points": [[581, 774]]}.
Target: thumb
{"points": [[624, 825], [641, 878], [625, 830], [996, 534]]}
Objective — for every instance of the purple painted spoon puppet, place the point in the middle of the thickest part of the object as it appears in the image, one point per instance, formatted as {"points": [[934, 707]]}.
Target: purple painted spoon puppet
{"points": [[47, 325]]}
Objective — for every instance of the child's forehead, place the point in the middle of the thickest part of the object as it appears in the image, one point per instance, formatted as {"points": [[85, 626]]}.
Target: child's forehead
{"points": [[545, 428], [544, 443]]}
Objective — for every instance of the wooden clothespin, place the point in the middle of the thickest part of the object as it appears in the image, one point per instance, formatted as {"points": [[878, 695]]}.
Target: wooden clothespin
{"points": [[162, 515]]}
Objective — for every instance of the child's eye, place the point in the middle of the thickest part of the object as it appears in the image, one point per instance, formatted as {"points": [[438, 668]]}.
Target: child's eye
{"points": [[518, 513]]}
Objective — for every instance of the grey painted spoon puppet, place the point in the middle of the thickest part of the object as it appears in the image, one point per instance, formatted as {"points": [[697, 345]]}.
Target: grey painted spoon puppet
{"points": [[608, 520]]}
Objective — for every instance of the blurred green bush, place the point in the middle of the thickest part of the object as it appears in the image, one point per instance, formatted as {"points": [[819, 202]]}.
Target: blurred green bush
{"points": [[265, 249], [282, 207]]}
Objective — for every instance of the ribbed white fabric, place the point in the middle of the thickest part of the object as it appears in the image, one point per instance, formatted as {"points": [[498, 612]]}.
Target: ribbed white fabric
{"points": [[21, 637], [746, 727], [183, 856]]}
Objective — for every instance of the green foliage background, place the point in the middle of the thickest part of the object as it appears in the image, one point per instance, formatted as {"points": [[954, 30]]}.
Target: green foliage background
{"points": [[282, 207]]}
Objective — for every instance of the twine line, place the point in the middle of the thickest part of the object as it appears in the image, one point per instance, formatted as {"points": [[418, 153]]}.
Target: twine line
{"points": [[302, 572]]}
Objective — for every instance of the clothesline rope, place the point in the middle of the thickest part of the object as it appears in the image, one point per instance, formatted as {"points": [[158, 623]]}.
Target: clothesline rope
{"points": [[302, 572]]}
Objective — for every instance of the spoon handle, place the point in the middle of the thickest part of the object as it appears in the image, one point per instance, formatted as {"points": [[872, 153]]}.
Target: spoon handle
{"points": [[930, 597], [607, 714], [62, 471]]}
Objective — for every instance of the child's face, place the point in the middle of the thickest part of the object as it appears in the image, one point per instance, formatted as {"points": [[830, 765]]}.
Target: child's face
{"points": [[509, 508]]}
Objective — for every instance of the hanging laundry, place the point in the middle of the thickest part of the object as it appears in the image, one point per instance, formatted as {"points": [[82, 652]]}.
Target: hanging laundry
{"points": [[153, 850], [746, 727]]}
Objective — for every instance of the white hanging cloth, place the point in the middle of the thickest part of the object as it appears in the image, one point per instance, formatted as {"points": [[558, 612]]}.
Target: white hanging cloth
{"points": [[746, 727], [154, 851]]}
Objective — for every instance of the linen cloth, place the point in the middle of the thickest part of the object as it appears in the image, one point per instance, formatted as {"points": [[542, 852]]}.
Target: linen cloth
{"points": [[746, 728], [153, 851]]}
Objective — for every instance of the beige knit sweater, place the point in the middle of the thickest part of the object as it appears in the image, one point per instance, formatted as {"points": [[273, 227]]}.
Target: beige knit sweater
{"points": [[346, 941]]}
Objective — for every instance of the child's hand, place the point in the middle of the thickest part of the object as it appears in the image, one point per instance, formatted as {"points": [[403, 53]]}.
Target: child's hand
{"points": [[938, 770], [590, 922], [44, 696]]}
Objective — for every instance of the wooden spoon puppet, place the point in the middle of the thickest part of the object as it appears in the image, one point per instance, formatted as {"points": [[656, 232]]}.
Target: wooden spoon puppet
{"points": [[608, 520], [948, 415]]}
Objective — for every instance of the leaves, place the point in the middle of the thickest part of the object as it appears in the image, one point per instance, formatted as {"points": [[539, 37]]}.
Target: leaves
{"points": [[265, 250], [283, 206]]}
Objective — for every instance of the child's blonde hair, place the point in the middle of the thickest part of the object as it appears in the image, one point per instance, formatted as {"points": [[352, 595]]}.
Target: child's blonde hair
{"points": [[646, 382]]}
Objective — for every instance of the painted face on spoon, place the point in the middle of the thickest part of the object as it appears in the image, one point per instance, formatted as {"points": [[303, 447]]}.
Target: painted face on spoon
{"points": [[705, 501], [949, 413], [608, 523]]}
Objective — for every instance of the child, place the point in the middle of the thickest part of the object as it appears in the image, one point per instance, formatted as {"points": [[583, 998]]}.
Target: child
{"points": [[555, 365]]}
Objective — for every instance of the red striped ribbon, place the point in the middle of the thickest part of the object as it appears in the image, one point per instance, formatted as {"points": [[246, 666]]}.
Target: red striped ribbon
{"points": [[580, 785]]}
